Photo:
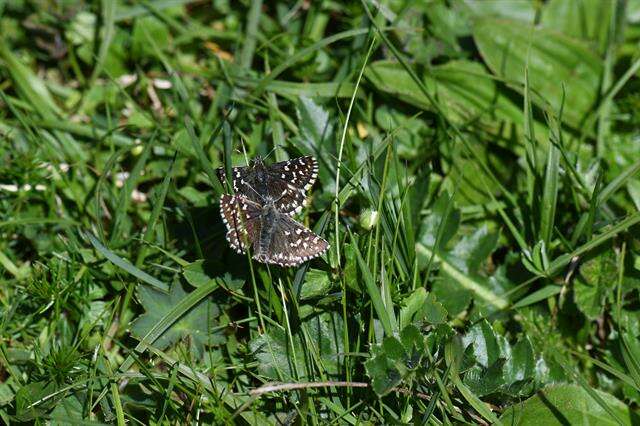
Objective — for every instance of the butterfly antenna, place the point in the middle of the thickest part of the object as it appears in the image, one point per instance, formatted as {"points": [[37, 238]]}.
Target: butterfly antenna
{"points": [[271, 152], [251, 187]]}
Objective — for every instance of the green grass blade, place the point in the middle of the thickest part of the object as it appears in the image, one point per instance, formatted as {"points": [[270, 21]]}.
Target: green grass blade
{"points": [[249, 46], [550, 194], [108, 10], [374, 294], [29, 85], [617, 183], [125, 265], [561, 261], [543, 294]]}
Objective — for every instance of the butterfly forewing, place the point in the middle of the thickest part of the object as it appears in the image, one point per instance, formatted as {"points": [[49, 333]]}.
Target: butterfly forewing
{"points": [[242, 219], [285, 182], [294, 178], [292, 243]]}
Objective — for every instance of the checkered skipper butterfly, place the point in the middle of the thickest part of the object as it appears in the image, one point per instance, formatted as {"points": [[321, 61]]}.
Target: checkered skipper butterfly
{"points": [[273, 236]]}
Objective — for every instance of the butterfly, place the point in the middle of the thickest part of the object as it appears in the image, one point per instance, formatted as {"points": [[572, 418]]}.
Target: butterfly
{"points": [[273, 236], [285, 182]]}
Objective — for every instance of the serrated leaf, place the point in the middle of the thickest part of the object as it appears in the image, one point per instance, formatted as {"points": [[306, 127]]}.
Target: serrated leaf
{"points": [[411, 305], [276, 356], [383, 373], [393, 348], [67, 411], [484, 381], [195, 274], [433, 311], [595, 280], [316, 127], [567, 404], [193, 325], [414, 346], [29, 394]]}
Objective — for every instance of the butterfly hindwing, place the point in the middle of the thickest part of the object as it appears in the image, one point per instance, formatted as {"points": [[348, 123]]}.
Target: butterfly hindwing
{"points": [[242, 219], [291, 243]]}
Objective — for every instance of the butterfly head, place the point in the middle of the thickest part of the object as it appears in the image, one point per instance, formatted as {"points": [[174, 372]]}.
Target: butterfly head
{"points": [[257, 163]]}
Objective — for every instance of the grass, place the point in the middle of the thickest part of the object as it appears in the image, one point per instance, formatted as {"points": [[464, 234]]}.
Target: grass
{"points": [[478, 184]]}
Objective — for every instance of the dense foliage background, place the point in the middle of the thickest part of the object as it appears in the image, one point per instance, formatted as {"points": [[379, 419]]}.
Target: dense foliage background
{"points": [[478, 185]]}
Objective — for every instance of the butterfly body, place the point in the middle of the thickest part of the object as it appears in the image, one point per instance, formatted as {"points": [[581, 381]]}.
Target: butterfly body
{"points": [[274, 237], [268, 222], [285, 182]]}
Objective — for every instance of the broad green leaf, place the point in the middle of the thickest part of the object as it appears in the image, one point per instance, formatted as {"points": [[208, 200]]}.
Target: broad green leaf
{"points": [[474, 249], [393, 349], [520, 365], [523, 10], [316, 126], [194, 325], [202, 272], [464, 89], [484, 343], [316, 283], [383, 373], [437, 222], [412, 341], [498, 367], [567, 404], [592, 26], [453, 297], [553, 61], [279, 361], [67, 411], [396, 359], [411, 305], [420, 306], [485, 381], [410, 134], [433, 311], [596, 279], [34, 400], [6, 394]]}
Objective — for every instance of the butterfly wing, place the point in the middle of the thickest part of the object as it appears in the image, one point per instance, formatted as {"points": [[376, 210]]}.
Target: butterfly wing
{"points": [[240, 175], [292, 243], [286, 182], [241, 216], [291, 180]]}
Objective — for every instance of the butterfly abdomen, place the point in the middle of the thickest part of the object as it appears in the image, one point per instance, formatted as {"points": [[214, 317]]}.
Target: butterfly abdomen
{"points": [[268, 221]]}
